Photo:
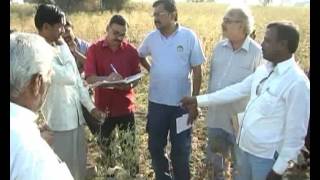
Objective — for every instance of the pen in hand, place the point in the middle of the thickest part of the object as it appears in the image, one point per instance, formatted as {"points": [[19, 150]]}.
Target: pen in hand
{"points": [[113, 69]]}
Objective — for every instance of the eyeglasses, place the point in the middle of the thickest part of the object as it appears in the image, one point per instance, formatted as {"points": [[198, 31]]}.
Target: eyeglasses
{"points": [[259, 88], [229, 21], [159, 14], [118, 33]]}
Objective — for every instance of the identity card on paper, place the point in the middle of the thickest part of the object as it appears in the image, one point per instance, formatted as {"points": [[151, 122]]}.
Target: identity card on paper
{"points": [[182, 123]]}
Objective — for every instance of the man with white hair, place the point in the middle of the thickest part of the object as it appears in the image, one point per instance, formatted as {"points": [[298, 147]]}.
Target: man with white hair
{"points": [[233, 59], [30, 76], [275, 121]]}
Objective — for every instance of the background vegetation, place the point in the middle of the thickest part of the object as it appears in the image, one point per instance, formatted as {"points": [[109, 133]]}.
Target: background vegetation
{"points": [[205, 20]]}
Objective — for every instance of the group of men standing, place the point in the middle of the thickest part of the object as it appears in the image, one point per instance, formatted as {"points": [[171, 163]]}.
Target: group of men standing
{"points": [[258, 102]]}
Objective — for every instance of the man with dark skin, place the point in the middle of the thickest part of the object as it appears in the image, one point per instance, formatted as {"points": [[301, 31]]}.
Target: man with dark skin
{"points": [[275, 121], [63, 110], [175, 71], [114, 58]]}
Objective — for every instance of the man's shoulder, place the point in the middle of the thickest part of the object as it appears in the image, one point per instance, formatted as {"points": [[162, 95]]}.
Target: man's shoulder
{"points": [[222, 43], [152, 34], [187, 31], [130, 46], [96, 44], [297, 73], [254, 45], [82, 41]]}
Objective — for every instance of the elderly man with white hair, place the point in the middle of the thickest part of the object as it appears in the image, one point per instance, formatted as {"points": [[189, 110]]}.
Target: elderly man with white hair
{"points": [[30, 76], [233, 59]]}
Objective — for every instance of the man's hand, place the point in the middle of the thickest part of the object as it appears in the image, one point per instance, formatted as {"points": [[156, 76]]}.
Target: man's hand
{"points": [[122, 86], [72, 45], [97, 114], [114, 77], [273, 176], [190, 103], [193, 113]]}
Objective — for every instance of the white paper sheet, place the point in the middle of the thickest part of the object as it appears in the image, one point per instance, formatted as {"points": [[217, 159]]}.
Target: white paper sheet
{"points": [[181, 123]]}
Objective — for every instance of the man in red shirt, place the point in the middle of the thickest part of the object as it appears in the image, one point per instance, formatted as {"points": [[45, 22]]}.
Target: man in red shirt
{"points": [[112, 58]]}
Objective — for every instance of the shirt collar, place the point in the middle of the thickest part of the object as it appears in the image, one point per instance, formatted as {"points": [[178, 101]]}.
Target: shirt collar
{"points": [[105, 44], [284, 65], [245, 44], [22, 111], [173, 34]]}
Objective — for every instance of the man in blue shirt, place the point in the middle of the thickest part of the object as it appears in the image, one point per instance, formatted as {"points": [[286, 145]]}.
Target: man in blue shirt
{"points": [[176, 53], [77, 46]]}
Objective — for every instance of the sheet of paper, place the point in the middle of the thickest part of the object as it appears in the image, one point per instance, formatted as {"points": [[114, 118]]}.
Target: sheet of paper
{"points": [[181, 123], [127, 80]]}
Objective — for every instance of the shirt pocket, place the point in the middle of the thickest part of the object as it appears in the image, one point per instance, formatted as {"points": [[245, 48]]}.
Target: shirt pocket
{"points": [[268, 102]]}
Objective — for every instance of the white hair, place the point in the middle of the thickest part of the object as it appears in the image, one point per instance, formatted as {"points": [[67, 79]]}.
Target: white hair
{"points": [[243, 12], [30, 54]]}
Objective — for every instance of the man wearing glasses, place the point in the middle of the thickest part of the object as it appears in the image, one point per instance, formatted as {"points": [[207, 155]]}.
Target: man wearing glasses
{"points": [[176, 53], [275, 121], [233, 59], [113, 58]]}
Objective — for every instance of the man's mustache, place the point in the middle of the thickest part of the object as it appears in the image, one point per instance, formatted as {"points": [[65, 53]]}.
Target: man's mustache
{"points": [[157, 22]]}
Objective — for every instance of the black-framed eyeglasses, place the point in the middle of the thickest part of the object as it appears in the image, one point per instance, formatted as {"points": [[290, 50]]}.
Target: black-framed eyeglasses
{"points": [[159, 14], [118, 33]]}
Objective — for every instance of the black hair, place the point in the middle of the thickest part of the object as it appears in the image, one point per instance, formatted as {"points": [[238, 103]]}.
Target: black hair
{"points": [[169, 5], [48, 13], [287, 31], [118, 19]]}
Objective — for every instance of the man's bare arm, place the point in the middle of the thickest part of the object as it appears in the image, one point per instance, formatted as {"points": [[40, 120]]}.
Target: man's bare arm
{"points": [[197, 77], [144, 62]]}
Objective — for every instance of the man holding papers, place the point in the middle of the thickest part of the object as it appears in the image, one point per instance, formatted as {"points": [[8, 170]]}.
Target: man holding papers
{"points": [[175, 71], [114, 59]]}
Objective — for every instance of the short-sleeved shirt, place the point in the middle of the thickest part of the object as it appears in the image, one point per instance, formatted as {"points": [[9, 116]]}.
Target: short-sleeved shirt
{"points": [[82, 45], [126, 62], [228, 67], [172, 60]]}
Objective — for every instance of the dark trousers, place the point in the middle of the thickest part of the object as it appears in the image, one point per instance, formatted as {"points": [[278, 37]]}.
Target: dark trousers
{"points": [[161, 123], [126, 133]]}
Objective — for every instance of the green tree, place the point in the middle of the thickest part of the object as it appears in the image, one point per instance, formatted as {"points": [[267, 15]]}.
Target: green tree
{"points": [[113, 5]]}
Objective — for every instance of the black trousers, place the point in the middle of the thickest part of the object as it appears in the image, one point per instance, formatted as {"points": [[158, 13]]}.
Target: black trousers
{"points": [[126, 134]]}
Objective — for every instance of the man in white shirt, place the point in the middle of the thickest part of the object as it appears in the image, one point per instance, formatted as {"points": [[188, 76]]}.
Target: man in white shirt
{"points": [[63, 110], [233, 59], [30, 76], [275, 121]]}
